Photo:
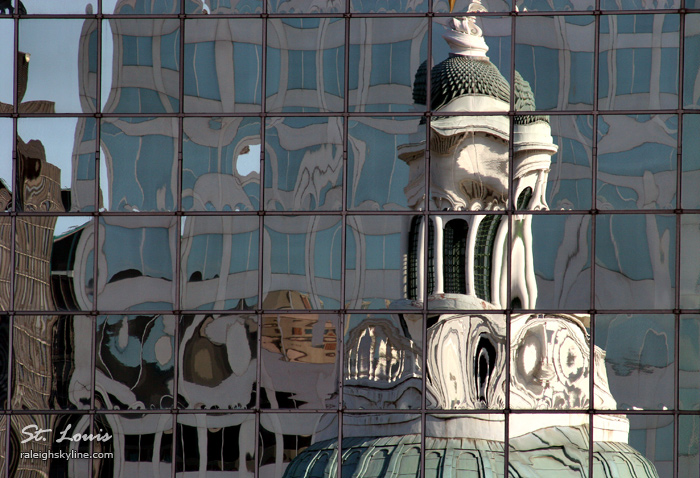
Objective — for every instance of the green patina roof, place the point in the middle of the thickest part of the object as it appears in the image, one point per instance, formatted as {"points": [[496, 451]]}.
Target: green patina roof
{"points": [[553, 452], [461, 75], [525, 101]]}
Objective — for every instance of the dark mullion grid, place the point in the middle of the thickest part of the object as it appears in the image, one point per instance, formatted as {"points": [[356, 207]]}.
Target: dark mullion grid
{"points": [[13, 229], [322, 114], [426, 208], [677, 268], [340, 333], [8, 412], [374, 411], [177, 317], [20, 313], [261, 234], [325, 114], [426, 213], [592, 212], [96, 228], [510, 207], [501, 13], [312, 213]]}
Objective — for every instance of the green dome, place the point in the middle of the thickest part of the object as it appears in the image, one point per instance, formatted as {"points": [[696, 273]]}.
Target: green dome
{"points": [[553, 452], [457, 76], [463, 75]]}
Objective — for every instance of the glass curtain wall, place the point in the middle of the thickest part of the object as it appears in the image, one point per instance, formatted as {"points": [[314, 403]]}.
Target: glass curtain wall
{"points": [[350, 238]]}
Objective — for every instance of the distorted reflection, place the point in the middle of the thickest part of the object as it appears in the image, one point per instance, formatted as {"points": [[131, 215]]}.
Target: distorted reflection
{"points": [[224, 313]]}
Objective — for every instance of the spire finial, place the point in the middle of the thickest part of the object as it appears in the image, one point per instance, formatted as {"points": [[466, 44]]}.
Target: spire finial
{"points": [[464, 35]]}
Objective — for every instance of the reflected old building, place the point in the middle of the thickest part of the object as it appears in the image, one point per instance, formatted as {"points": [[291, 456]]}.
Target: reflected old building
{"points": [[247, 240]]}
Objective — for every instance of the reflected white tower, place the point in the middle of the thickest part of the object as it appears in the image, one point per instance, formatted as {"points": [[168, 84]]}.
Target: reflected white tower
{"points": [[480, 160]]}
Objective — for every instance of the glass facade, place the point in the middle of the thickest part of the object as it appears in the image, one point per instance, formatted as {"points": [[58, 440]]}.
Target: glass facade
{"points": [[350, 238]]}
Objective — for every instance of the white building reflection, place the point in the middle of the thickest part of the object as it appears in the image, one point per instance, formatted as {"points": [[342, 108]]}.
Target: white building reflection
{"points": [[459, 250]]}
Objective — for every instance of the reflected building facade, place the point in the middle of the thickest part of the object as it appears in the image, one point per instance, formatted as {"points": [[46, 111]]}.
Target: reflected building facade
{"points": [[322, 245]]}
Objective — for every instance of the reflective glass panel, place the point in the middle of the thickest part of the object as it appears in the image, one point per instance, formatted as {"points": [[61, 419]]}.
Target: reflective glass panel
{"points": [[218, 363], [222, 65], [457, 260], [140, 65], [639, 359], [135, 360], [219, 262], [652, 437], [305, 6], [44, 83], [562, 260], [7, 37], [51, 360], [142, 444], [221, 164], [638, 4], [67, 6], [554, 55], [305, 64], [637, 161], [690, 262], [690, 197], [303, 164], [299, 360], [385, 54], [461, 6], [223, 7], [638, 62], [649, 443], [553, 5], [688, 453], [689, 360], [388, 6], [4, 361], [144, 7], [537, 443], [301, 262], [379, 349], [465, 457], [32, 269], [42, 433], [569, 180], [136, 263], [361, 451], [284, 437], [214, 443], [141, 158], [374, 261], [56, 173], [486, 74], [691, 60], [380, 153], [6, 167], [550, 363], [635, 261], [466, 362]]}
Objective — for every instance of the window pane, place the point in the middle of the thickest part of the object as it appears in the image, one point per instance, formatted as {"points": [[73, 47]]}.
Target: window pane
{"points": [[385, 55], [305, 64], [301, 262], [639, 359], [555, 56], [45, 84], [303, 164], [222, 65], [638, 62], [141, 64], [635, 261], [218, 365], [637, 161]]}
